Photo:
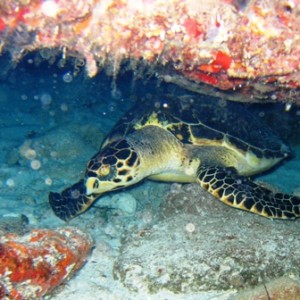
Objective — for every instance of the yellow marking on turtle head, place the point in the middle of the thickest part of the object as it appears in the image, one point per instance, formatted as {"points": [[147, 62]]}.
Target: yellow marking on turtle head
{"points": [[104, 170], [92, 185], [97, 187]]}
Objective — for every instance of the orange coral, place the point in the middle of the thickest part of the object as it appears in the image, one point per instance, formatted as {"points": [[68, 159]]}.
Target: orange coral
{"points": [[43, 259]]}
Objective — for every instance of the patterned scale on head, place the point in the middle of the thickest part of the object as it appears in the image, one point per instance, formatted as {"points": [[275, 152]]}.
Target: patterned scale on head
{"points": [[114, 167]]}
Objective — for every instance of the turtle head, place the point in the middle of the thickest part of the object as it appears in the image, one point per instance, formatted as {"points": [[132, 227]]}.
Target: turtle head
{"points": [[114, 167]]}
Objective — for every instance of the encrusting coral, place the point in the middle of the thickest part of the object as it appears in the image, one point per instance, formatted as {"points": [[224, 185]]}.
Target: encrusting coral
{"points": [[34, 264]]}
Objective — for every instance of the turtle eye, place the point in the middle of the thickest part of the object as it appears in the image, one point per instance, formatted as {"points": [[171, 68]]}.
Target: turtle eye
{"points": [[104, 170]]}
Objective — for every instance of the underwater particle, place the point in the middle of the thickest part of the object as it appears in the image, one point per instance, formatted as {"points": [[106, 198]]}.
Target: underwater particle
{"points": [[10, 182], [190, 227], [24, 97], [48, 181], [67, 77], [46, 99], [157, 104], [29, 154], [288, 106], [53, 154], [46, 53], [35, 164], [49, 8], [64, 107], [26, 151], [112, 107]]}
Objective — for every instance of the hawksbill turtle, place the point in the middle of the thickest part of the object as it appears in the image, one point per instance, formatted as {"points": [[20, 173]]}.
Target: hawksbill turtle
{"points": [[185, 139]]}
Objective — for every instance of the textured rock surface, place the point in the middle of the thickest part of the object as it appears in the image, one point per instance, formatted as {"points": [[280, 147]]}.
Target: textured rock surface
{"points": [[13, 223], [250, 47], [200, 244], [283, 288], [34, 264]]}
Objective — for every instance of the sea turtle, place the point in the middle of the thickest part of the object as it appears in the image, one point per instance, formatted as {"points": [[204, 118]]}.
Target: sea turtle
{"points": [[186, 139]]}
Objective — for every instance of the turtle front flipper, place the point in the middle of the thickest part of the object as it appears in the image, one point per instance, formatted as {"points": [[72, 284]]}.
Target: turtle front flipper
{"points": [[240, 192], [71, 202]]}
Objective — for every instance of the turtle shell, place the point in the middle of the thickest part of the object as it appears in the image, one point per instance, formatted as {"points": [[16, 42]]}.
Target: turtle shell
{"points": [[205, 121]]}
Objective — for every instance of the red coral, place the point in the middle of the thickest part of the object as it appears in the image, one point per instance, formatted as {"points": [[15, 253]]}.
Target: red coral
{"points": [[2, 25], [210, 68], [222, 59], [198, 76], [43, 259], [192, 27], [221, 62]]}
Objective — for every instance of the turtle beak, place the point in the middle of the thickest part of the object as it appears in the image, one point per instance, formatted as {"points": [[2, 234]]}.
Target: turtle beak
{"points": [[92, 186], [96, 187]]}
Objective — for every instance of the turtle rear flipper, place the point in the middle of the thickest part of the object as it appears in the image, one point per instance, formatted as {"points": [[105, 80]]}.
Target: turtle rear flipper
{"points": [[240, 192], [71, 202]]}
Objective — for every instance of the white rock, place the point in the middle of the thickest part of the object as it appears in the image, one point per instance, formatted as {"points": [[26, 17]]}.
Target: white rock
{"points": [[125, 202]]}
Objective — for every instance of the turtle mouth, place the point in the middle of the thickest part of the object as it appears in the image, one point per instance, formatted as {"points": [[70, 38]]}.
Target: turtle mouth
{"points": [[91, 185], [97, 187]]}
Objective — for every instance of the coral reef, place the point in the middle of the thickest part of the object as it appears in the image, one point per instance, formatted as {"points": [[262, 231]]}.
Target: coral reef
{"points": [[247, 46], [34, 264]]}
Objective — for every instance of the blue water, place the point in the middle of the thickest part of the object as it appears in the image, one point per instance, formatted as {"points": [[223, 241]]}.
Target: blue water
{"points": [[52, 122]]}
